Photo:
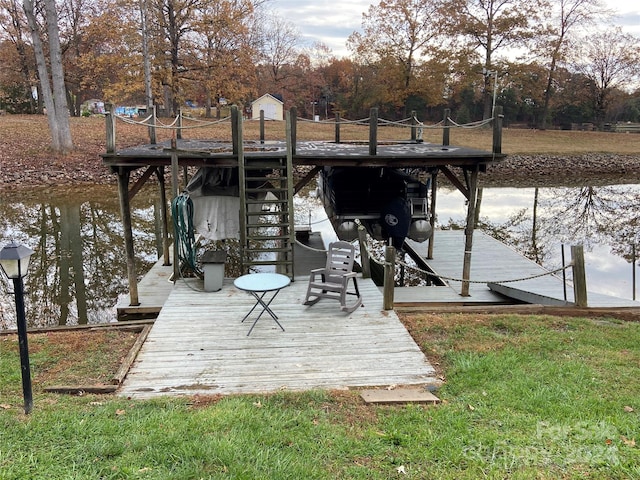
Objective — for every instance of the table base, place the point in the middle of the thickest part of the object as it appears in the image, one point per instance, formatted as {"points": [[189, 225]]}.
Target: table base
{"points": [[265, 308]]}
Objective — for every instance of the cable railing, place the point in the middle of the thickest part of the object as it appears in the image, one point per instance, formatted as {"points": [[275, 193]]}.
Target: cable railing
{"points": [[182, 122]]}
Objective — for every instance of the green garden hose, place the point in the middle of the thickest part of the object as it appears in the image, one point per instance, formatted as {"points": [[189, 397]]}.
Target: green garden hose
{"points": [[182, 213]]}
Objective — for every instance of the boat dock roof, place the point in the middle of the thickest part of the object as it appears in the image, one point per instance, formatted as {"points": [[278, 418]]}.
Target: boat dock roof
{"points": [[325, 153]]}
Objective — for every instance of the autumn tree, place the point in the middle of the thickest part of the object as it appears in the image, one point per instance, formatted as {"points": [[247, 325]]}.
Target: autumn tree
{"points": [[495, 26], [18, 66], [111, 61], [220, 63], [398, 36], [610, 59]]}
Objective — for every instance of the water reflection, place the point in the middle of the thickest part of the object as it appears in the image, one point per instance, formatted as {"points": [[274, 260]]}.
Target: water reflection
{"points": [[537, 221], [78, 269]]}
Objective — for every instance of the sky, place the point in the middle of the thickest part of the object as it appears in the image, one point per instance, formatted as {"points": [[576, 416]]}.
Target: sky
{"points": [[332, 22]]}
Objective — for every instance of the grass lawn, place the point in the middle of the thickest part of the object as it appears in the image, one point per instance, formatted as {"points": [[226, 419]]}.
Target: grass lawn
{"points": [[524, 397]]}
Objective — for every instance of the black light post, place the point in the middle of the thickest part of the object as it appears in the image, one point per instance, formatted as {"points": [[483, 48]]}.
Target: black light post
{"points": [[14, 261]]}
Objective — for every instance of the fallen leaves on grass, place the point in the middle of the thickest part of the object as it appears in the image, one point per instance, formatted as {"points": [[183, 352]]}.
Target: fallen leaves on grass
{"points": [[628, 442]]}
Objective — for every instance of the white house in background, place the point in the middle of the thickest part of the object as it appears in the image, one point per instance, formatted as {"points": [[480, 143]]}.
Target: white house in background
{"points": [[273, 108]]}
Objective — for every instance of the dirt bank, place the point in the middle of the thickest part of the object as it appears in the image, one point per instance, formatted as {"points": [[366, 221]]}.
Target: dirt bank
{"points": [[515, 170], [574, 170]]}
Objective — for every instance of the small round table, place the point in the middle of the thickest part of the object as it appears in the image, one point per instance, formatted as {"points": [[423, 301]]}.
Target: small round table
{"points": [[258, 285]]}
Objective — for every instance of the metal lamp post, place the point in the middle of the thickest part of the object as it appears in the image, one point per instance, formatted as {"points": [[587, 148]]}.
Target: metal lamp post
{"points": [[14, 261]]}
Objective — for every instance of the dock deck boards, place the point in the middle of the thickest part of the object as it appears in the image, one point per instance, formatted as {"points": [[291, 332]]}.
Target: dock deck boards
{"points": [[198, 345], [153, 291], [491, 261]]}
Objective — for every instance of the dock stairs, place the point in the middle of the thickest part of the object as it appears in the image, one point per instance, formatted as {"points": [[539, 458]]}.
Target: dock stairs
{"points": [[267, 233]]}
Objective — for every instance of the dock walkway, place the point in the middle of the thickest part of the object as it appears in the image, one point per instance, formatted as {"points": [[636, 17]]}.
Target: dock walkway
{"points": [[491, 261], [198, 345]]}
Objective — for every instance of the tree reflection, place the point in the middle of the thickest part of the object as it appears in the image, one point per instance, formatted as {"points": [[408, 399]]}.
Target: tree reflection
{"points": [[76, 273], [606, 215]]}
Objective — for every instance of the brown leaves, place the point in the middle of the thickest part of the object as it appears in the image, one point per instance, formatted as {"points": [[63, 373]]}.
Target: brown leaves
{"points": [[628, 442]]}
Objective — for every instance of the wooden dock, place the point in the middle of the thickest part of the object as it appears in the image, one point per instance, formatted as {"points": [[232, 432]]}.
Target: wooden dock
{"points": [[154, 289], [198, 345], [495, 263]]}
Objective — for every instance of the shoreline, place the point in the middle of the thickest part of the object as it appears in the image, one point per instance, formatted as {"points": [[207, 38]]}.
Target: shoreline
{"points": [[515, 170]]}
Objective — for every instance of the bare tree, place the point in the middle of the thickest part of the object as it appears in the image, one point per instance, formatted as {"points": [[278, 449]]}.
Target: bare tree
{"points": [[554, 44], [53, 91], [610, 60], [279, 46]]}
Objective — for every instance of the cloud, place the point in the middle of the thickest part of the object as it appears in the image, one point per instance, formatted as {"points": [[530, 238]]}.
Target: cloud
{"points": [[332, 22], [323, 20]]}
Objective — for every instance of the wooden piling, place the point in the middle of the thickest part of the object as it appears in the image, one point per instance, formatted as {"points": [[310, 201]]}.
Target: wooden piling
{"points": [[152, 126], [337, 127], [414, 125], [364, 253], [175, 172], [497, 130], [446, 131], [165, 216], [468, 232], [389, 277], [432, 212], [293, 111], [373, 132], [261, 126], [236, 136], [125, 212], [111, 128], [579, 276]]}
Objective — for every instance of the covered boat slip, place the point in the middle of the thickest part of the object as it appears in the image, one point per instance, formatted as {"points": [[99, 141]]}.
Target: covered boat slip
{"points": [[461, 165]]}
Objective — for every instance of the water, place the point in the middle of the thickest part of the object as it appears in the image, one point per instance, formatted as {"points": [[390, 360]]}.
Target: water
{"points": [[79, 268], [605, 219]]}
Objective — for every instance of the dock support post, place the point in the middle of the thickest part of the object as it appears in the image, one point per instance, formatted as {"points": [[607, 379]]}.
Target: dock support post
{"points": [[373, 132], [236, 126], [389, 277], [293, 112], [446, 131], [337, 127], [111, 129], [174, 193], [179, 125], [468, 232], [152, 126], [414, 124], [497, 129], [261, 126], [579, 276], [236, 136], [432, 212], [125, 212], [364, 253], [165, 216]]}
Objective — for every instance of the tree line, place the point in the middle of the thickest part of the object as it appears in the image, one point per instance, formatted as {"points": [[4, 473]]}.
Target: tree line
{"points": [[548, 63]]}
